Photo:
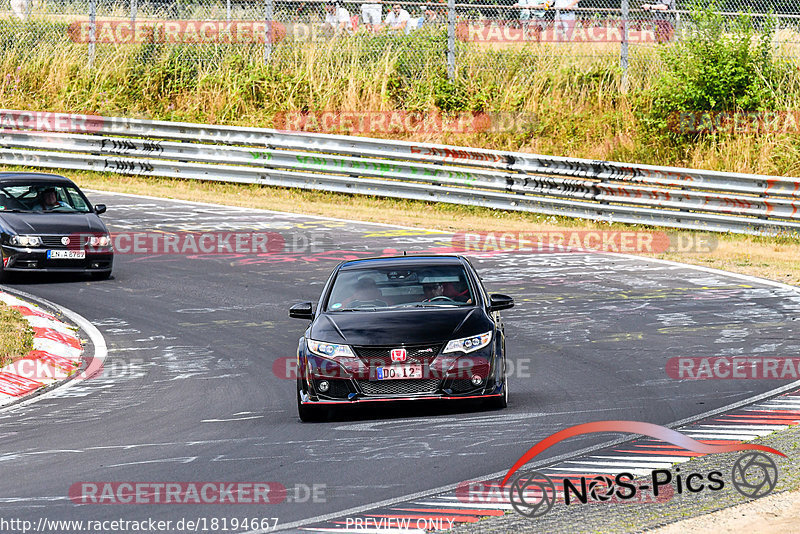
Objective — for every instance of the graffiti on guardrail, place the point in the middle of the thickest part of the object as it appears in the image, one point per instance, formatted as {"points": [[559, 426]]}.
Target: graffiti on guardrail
{"points": [[386, 169], [123, 166]]}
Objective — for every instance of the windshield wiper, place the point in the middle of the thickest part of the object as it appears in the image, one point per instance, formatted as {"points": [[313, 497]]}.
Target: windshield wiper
{"points": [[425, 305]]}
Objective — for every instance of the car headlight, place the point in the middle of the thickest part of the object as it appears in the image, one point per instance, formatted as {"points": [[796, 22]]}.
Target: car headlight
{"points": [[26, 240], [468, 344], [329, 350], [99, 240]]}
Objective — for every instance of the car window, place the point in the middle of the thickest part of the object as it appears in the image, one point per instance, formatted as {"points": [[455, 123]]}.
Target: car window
{"points": [[393, 287], [42, 197]]}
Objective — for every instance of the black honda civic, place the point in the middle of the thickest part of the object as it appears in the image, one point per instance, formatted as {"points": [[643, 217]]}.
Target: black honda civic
{"points": [[401, 328], [48, 225]]}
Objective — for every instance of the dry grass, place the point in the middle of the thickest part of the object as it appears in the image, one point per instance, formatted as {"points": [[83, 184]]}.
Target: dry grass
{"points": [[16, 335], [574, 94], [772, 258]]}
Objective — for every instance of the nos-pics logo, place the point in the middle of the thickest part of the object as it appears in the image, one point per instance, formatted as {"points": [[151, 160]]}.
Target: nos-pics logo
{"points": [[533, 494]]}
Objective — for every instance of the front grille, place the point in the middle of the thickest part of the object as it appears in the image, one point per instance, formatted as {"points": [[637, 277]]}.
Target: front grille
{"points": [[398, 387], [54, 241], [375, 356]]}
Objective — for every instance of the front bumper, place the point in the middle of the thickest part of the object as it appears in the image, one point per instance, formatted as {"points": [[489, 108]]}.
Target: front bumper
{"points": [[326, 381], [306, 399], [24, 259]]}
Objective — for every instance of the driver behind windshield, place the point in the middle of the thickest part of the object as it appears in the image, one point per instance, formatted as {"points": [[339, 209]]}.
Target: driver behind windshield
{"points": [[433, 290], [48, 200], [454, 291], [365, 291]]}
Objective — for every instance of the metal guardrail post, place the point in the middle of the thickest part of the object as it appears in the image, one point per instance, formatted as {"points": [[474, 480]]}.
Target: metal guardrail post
{"points": [[268, 34], [451, 40], [623, 54], [92, 30]]}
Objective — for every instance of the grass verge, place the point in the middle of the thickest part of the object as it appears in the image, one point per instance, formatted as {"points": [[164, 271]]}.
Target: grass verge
{"points": [[16, 336]]}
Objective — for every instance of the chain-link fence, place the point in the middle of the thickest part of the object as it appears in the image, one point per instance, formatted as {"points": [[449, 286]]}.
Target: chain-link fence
{"points": [[456, 38]]}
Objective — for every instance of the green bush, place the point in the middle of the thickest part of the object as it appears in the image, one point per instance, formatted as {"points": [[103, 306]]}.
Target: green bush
{"points": [[719, 66]]}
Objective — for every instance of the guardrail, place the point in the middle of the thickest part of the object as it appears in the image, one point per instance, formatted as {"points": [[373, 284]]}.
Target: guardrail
{"points": [[597, 190]]}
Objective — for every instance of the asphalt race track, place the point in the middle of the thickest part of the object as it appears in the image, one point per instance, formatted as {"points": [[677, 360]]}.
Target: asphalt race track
{"points": [[191, 392]]}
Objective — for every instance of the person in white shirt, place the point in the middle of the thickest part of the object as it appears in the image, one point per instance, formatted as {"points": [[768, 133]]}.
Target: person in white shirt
{"points": [[397, 19], [371, 15], [337, 18]]}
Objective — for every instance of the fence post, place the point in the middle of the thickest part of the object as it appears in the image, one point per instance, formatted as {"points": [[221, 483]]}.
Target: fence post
{"points": [[133, 10], [623, 54], [451, 39], [268, 30], [228, 11], [92, 30]]}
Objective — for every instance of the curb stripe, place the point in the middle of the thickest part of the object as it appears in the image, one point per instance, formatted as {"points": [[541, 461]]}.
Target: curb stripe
{"points": [[56, 352]]}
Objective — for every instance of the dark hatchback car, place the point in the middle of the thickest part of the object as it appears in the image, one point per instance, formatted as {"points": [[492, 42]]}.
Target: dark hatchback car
{"points": [[401, 328], [48, 225]]}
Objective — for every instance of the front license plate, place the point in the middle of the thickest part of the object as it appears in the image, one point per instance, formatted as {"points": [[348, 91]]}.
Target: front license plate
{"points": [[66, 254], [397, 372]]}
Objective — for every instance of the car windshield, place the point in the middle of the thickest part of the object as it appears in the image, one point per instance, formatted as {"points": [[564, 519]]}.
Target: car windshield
{"points": [[370, 289], [42, 198]]}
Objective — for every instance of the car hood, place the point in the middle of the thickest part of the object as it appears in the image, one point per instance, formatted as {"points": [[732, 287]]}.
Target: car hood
{"points": [[394, 327], [52, 223]]}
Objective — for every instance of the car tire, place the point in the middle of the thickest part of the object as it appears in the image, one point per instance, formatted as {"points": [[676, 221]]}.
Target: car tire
{"points": [[501, 402], [101, 276], [309, 414]]}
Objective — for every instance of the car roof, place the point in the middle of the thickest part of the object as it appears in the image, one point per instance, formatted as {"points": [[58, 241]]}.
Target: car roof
{"points": [[32, 177], [400, 261]]}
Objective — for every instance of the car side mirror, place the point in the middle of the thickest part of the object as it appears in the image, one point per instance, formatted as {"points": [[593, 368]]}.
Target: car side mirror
{"points": [[301, 311], [499, 302], [99, 208]]}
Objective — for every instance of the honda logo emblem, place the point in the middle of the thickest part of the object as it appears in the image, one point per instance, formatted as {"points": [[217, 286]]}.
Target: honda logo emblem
{"points": [[399, 355]]}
